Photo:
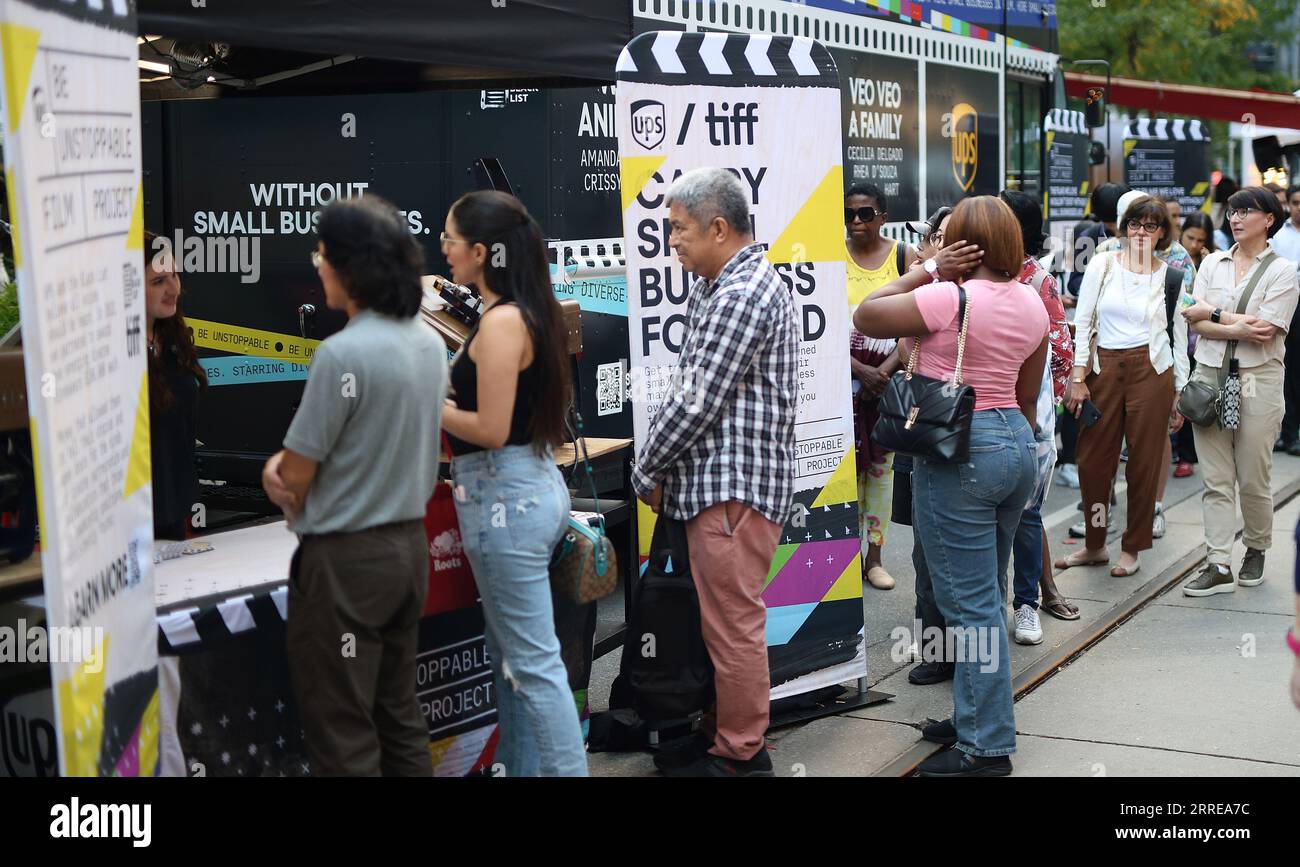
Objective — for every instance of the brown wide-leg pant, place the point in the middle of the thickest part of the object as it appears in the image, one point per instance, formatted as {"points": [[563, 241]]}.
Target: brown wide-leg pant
{"points": [[1135, 403]]}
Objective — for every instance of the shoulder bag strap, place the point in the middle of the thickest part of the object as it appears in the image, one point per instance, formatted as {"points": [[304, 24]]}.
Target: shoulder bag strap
{"points": [[1241, 308]]}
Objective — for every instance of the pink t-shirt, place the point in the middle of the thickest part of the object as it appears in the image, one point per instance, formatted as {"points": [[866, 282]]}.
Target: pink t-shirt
{"points": [[1007, 323]]}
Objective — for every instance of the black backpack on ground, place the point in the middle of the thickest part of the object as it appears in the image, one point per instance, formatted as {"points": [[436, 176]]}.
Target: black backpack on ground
{"points": [[666, 673]]}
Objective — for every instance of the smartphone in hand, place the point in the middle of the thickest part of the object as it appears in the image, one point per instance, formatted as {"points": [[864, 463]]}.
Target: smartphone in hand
{"points": [[1089, 414]]}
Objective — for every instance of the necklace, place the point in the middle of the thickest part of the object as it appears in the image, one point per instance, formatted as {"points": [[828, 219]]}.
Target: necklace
{"points": [[1137, 285]]}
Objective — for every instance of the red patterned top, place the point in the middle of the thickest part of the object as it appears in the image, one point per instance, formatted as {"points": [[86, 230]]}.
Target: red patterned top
{"points": [[1060, 342]]}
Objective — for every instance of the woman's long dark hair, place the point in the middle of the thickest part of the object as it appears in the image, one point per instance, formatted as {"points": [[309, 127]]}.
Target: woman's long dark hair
{"points": [[1202, 221], [175, 337], [516, 268]]}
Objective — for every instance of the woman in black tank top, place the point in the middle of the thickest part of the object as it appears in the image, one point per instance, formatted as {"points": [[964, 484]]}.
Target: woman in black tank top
{"points": [[511, 393]]}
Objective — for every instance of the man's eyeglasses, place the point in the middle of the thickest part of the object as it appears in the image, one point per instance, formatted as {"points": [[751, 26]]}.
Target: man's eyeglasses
{"points": [[1149, 228], [1243, 213], [866, 215]]}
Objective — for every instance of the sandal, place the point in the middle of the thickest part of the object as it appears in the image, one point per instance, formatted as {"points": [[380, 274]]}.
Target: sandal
{"points": [[1077, 559], [1122, 572], [1061, 609]]}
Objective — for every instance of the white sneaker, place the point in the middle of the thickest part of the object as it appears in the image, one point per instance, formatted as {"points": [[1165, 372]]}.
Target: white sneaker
{"points": [[1158, 524], [1028, 629], [1068, 475]]}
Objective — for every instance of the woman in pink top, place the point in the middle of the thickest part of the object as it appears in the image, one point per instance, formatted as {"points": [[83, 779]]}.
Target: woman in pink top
{"points": [[967, 513]]}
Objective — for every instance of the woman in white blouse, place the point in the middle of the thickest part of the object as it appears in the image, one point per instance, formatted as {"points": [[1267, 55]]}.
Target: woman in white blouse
{"points": [[1126, 369]]}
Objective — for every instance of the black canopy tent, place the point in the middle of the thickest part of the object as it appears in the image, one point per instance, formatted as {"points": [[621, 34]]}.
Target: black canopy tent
{"points": [[443, 38]]}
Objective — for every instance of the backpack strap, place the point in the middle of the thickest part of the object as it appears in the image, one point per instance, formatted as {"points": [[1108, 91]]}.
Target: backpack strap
{"points": [[1173, 290], [900, 256]]}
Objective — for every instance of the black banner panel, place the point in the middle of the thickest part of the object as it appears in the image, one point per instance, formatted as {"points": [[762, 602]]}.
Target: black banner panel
{"points": [[963, 136]]}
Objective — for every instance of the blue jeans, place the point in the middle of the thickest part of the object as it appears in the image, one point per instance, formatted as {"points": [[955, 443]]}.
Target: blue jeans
{"points": [[967, 514], [1027, 565], [513, 508]]}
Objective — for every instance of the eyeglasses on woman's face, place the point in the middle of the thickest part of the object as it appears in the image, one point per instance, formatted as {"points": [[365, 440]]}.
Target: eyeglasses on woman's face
{"points": [[1149, 228], [448, 239], [1242, 213]]}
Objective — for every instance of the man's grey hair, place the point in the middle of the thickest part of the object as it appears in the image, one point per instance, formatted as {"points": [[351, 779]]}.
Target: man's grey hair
{"points": [[707, 193]]}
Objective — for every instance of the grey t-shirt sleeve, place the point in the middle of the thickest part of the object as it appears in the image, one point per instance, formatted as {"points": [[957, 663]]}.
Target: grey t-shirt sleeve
{"points": [[326, 405]]}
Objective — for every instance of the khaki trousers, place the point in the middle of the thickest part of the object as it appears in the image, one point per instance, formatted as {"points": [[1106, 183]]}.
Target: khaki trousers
{"points": [[1239, 463]]}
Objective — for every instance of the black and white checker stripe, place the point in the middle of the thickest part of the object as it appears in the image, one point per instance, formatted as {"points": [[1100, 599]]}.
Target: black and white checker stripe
{"points": [[192, 627], [740, 60], [1168, 129], [1065, 120]]}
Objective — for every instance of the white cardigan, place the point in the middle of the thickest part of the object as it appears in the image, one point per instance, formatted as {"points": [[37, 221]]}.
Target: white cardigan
{"points": [[1161, 354]]}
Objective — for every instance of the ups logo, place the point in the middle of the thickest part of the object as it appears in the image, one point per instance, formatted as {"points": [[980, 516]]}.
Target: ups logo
{"points": [[965, 144]]}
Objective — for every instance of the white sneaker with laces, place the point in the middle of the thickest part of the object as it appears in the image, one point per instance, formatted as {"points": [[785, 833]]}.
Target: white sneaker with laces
{"points": [[1028, 629], [1068, 475]]}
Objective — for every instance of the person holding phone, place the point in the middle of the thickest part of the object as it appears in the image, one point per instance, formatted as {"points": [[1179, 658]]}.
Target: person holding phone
{"points": [[1125, 382]]}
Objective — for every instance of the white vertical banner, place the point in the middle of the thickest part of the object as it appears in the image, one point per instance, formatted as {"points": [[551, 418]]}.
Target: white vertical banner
{"points": [[72, 168], [768, 109]]}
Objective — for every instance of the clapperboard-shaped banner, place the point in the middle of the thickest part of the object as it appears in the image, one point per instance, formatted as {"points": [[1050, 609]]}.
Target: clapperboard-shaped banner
{"points": [[1169, 157], [1065, 195], [768, 109]]}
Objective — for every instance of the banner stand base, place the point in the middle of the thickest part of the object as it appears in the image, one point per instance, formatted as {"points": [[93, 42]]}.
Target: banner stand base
{"points": [[839, 701]]}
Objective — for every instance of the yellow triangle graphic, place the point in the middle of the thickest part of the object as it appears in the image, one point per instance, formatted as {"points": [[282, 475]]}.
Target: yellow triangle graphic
{"points": [[1129, 144], [843, 484], [849, 584], [1207, 207], [645, 528], [20, 44], [11, 193], [1083, 188], [1051, 137], [1200, 188], [439, 749], [1044, 204], [816, 234], [139, 468], [135, 234], [81, 715], [634, 173]]}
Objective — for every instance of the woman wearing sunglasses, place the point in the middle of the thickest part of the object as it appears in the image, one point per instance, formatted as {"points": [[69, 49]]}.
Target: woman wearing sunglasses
{"points": [[1125, 381], [1241, 459], [873, 261]]}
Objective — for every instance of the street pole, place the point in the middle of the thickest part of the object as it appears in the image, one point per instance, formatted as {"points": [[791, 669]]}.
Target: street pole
{"points": [[1105, 63]]}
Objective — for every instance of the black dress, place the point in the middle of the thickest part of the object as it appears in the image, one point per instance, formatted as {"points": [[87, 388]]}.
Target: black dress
{"points": [[171, 430]]}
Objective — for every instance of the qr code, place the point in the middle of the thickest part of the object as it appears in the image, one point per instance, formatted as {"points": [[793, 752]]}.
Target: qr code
{"points": [[609, 388]]}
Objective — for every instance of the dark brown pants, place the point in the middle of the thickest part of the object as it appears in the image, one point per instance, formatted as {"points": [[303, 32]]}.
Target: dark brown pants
{"points": [[354, 610], [1135, 403]]}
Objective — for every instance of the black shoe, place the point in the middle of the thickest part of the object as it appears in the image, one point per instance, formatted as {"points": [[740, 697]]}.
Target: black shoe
{"points": [[681, 752], [1294, 450], [931, 672], [709, 765], [943, 732], [1284, 445], [955, 763]]}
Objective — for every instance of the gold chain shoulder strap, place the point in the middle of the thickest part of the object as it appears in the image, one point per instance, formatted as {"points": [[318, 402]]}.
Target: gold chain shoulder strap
{"points": [[915, 354]]}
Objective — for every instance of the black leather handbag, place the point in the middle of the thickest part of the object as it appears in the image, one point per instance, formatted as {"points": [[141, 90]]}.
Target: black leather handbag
{"points": [[925, 417]]}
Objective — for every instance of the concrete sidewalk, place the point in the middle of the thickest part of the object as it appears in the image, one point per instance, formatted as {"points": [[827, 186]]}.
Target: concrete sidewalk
{"points": [[1168, 693]]}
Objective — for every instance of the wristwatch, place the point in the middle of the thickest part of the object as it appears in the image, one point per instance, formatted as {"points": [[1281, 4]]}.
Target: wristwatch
{"points": [[931, 267], [1214, 317]]}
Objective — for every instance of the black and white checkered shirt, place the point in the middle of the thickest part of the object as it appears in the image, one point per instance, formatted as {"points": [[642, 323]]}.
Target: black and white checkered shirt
{"points": [[726, 428]]}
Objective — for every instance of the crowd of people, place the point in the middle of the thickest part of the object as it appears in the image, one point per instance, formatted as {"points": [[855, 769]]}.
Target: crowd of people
{"points": [[1156, 302]]}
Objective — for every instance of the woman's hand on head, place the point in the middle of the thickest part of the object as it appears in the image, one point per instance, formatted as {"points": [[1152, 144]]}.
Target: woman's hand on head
{"points": [[957, 259]]}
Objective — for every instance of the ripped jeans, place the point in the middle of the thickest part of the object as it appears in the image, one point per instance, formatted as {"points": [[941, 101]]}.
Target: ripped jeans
{"points": [[513, 508]]}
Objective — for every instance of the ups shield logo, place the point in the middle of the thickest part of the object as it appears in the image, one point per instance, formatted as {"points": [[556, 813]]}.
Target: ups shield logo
{"points": [[965, 144]]}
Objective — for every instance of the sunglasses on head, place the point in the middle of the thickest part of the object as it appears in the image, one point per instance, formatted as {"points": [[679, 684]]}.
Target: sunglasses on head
{"points": [[866, 215]]}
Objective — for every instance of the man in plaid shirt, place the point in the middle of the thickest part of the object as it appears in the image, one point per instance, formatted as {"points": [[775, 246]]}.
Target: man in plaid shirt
{"points": [[720, 456]]}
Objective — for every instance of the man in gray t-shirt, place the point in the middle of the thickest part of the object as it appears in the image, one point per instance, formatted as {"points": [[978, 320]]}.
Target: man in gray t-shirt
{"points": [[358, 466], [369, 417]]}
